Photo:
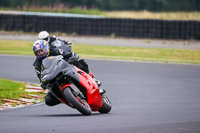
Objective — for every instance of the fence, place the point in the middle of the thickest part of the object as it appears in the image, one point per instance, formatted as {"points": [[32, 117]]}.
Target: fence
{"points": [[160, 29]]}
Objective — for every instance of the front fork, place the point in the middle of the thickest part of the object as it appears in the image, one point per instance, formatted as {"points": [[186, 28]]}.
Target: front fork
{"points": [[57, 92]]}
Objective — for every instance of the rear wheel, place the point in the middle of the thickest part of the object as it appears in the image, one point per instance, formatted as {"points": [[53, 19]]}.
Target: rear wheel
{"points": [[77, 101], [106, 108]]}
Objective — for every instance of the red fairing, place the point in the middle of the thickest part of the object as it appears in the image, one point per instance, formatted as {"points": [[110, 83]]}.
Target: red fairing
{"points": [[65, 86], [93, 95]]}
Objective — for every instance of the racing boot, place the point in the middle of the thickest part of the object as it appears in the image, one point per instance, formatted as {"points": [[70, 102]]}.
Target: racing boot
{"points": [[97, 81], [102, 91]]}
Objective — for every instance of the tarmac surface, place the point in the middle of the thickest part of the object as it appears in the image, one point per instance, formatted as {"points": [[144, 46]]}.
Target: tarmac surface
{"points": [[146, 98]]}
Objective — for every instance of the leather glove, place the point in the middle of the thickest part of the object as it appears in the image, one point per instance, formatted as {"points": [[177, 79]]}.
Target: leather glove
{"points": [[72, 59], [43, 86], [67, 42]]}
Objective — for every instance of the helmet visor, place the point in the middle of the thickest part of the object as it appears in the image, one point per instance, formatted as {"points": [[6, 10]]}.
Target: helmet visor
{"points": [[41, 50]]}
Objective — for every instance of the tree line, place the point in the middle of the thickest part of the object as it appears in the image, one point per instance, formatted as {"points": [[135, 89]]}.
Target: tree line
{"points": [[151, 5]]}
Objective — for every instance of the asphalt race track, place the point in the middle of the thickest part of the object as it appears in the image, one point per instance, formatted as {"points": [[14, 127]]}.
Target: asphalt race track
{"points": [[146, 98]]}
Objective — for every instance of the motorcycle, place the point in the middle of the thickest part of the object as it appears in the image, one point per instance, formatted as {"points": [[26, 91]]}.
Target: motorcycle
{"points": [[73, 87]]}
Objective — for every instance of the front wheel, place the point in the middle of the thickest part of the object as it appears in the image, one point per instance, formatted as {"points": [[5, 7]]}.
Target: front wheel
{"points": [[106, 104], [77, 102]]}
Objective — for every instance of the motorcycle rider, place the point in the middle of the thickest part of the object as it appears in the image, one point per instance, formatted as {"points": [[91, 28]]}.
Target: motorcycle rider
{"points": [[42, 49], [44, 35]]}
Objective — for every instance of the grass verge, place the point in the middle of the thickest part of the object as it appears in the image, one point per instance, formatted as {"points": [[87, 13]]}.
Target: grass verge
{"points": [[75, 10], [111, 52], [17, 91], [139, 54], [11, 90]]}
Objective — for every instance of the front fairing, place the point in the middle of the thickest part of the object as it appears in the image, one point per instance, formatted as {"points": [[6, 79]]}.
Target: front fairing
{"points": [[54, 65], [51, 67]]}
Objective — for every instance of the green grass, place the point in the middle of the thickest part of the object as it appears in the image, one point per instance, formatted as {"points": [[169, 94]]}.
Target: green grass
{"points": [[139, 54], [16, 47], [75, 10], [11, 90], [111, 52]]}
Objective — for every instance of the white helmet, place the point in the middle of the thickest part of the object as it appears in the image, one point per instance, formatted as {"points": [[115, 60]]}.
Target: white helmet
{"points": [[44, 35]]}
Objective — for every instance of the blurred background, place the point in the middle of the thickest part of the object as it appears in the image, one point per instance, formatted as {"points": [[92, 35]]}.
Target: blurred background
{"points": [[165, 19], [109, 5], [171, 24]]}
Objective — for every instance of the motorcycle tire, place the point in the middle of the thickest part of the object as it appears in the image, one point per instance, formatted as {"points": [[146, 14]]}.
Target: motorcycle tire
{"points": [[80, 104], [106, 108]]}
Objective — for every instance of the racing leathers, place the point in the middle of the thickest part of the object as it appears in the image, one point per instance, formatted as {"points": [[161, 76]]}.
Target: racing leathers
{"points": [[54, 38]]}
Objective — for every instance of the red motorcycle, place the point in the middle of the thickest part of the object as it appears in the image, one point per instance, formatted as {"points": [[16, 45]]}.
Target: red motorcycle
{"points": [[73, 86]]}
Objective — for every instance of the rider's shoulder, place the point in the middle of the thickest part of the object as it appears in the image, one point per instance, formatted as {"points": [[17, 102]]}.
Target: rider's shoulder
{"points": [[54, 37], [36, 62]]}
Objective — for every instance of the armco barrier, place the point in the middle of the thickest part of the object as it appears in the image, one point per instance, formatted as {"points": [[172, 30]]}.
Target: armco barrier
{"points": [[161, 29]]}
